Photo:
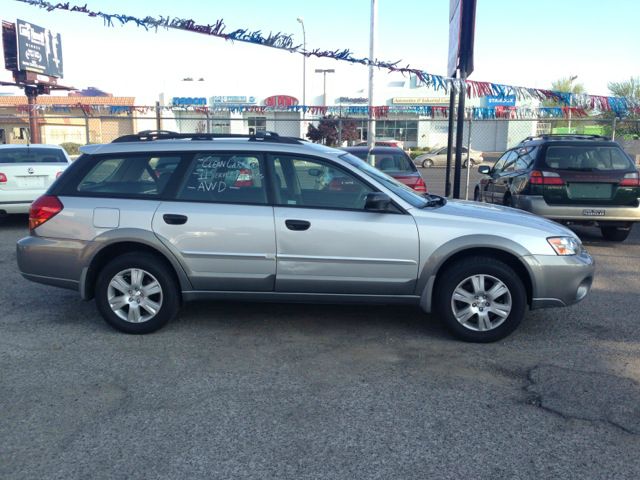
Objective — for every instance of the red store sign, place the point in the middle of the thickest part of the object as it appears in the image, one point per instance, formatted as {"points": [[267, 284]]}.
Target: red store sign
{"points": [[280, 101]]}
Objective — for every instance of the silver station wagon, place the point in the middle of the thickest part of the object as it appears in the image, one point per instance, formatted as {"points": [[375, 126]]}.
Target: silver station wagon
{"points": [[158, 218]]}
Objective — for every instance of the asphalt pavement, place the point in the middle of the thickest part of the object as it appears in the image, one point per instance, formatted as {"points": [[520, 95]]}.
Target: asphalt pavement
{"points": [[274, 391]]}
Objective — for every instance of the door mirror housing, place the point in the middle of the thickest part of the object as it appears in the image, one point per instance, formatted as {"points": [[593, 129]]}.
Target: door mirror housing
{"points": [[484, 169], [377, 202]]}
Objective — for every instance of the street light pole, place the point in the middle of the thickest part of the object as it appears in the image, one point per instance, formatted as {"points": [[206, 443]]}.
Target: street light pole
{"points": [[571, 79], [304, 66], [324, 82]]}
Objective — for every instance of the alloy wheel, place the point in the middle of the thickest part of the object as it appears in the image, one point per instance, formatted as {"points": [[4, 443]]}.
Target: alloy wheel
{"points": [[481, 302], [134, 295]]}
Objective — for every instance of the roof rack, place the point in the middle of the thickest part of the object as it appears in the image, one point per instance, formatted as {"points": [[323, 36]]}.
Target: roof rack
{"points": [[562, 136], [151, 135]]}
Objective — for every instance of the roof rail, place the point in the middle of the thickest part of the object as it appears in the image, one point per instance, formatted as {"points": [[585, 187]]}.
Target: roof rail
{"points": [[561, 136], [151, 135]]}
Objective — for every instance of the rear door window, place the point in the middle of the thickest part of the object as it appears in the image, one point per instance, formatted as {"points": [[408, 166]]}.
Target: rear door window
{"points": [[225, 178], [388, 161], [138, 175], [587, 158]]}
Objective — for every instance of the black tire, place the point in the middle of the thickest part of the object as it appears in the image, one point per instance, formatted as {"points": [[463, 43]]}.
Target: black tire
{"points": [[615, 234], [476, 195], [508, 201], [465, 164], [168, 297], [427, 163], [449, 280]]}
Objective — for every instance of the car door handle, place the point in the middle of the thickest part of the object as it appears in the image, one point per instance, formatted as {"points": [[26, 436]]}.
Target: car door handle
{"points": [[297, 224], [174, 219]]}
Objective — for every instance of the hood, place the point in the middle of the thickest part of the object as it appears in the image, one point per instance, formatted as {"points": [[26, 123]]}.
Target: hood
{"points": [[496, 216]]}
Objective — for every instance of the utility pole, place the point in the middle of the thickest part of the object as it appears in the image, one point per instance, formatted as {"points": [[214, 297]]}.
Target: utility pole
{"points": [[324, 82], [571, 79], [371, 128]]}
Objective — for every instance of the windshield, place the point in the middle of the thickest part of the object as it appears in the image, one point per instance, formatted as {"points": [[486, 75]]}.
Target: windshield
{"points": [[387, 161], [32, 155], [404, 192], [587, 157]]}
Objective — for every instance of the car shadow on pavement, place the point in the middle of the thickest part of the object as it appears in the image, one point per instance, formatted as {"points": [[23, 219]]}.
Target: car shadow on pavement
{"points": [[319, 318]]}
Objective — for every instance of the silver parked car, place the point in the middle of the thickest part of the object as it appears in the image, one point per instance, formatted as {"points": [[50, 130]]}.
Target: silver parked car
{"points": [[438, 157], [26, 171], [158, 218]]}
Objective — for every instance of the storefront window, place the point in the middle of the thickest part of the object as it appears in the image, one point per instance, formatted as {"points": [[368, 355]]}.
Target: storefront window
{"points": [[405, 130], [257, 124]]}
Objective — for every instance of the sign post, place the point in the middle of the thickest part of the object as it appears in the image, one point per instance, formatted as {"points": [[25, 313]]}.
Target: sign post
{"points": [[462, 16]]}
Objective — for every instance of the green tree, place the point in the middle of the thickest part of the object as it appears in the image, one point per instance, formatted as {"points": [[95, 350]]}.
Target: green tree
{"points": [[629, 88], [630, 126]]}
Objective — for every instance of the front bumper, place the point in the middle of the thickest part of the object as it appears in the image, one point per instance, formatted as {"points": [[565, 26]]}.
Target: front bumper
{"points": [[575, 213], [559, 281]]}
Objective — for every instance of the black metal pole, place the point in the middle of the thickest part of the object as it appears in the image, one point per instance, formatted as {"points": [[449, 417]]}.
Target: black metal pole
{"points": [[452, 105], [459, 139]]}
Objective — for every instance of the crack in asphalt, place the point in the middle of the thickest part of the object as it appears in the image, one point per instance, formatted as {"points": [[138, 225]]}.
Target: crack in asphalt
{"points": [[588, 396]]}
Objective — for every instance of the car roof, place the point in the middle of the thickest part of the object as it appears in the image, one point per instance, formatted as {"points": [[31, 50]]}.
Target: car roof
{"points": [[222, 144], [31, 145], [376, 149]]}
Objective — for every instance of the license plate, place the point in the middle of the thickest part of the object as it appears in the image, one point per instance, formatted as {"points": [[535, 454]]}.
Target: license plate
{"points": [[593, 212], [31, 182], [587, 191]]}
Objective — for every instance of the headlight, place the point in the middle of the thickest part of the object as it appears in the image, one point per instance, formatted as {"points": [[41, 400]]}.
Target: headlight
{"points": [[565, 245]]}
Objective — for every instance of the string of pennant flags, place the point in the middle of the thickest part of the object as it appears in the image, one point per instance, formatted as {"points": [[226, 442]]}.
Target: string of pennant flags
{"points": [[621, 106], [382, 111]]}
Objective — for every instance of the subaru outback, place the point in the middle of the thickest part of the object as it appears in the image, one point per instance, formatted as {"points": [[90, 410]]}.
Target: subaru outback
{"points": [[573, 179], [158, 218]]}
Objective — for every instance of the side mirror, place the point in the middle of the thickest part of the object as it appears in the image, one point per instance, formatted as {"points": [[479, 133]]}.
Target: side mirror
{"points": [[314, 172], [377, 202], [484, 169]]}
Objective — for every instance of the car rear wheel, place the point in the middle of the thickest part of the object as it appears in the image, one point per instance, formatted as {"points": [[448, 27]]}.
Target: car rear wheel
{"points": [[476, 195], [427, 163], [615, 234], [136, 293], [480, 299]]}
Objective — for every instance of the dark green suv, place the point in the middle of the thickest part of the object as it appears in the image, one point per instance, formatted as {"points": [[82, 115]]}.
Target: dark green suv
{"points": [[573, 179]]}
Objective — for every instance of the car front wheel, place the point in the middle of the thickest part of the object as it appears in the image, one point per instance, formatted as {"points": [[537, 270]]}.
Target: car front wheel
{"points": [[480, 299], [427, 163], [136, 293]]}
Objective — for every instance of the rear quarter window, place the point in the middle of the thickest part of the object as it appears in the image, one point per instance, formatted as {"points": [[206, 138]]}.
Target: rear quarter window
{"points": [[142, 175]]}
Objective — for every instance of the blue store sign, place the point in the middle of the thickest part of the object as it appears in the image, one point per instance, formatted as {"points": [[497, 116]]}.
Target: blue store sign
{"points": [[498, 101], [188, 101]]}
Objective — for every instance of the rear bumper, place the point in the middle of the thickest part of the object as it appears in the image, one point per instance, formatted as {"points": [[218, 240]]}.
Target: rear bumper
{"points": [[15, 207], [559, 281], [57, 262], [536, 204]]}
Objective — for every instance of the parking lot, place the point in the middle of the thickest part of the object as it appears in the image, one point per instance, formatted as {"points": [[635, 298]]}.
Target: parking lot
{"points": [[234, 390]]}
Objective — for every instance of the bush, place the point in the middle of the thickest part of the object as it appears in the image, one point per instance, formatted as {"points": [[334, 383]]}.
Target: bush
{"points": [[71, 148], [416, 152]]}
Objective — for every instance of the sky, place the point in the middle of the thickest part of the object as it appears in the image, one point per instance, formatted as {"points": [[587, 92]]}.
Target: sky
{"points": [[518, 42]]}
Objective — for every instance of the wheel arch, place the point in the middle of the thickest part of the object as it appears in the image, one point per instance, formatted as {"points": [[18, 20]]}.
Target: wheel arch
{"points": [[501, 250], [109, 248]]}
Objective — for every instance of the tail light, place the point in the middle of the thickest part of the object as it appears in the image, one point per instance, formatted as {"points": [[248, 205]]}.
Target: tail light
{"points": [[244, 178], [43, 209], [3, 178], [629, 180], [58, 174], [545, 178], [420, 186]]}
